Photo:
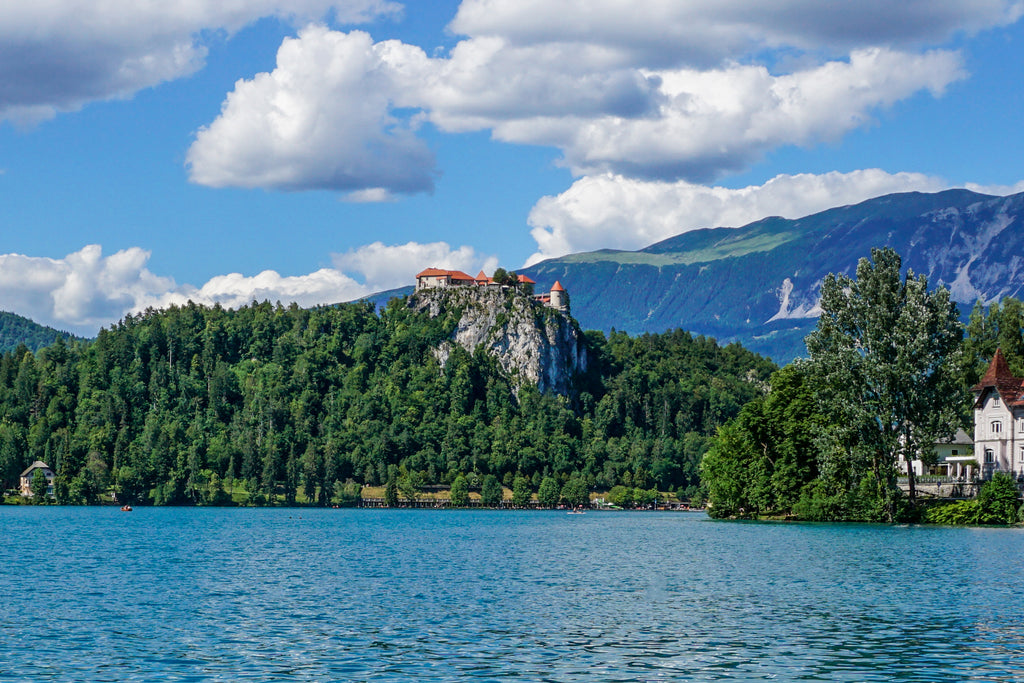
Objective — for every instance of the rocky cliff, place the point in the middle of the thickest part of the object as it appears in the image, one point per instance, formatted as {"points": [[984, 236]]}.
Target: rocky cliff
{"points": [[532, 343]]}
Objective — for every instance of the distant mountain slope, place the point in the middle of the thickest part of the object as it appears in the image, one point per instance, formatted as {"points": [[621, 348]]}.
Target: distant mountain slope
{"points": [[16, 329], [759, 284], [381, 299]]}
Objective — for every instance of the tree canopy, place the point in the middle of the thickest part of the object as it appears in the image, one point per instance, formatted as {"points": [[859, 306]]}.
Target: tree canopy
{"points": [[276, 404]]}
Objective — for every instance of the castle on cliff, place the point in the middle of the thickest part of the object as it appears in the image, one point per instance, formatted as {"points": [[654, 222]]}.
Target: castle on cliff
{"points": [[557, 298]]}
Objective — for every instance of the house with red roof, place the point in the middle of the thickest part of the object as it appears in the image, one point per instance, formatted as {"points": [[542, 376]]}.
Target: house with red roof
{"points": [[999, 420], [437, 277]]}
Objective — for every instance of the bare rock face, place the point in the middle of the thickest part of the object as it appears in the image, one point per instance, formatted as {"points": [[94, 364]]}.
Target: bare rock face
{"points": [[533, 343]]}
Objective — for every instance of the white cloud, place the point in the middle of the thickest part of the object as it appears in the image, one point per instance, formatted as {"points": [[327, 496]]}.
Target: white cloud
{"points": [[340, 112], [325, 286], [611, 211], [86, 290], [705, 33], [711, 122], [998, 190], [320, 120], [81, 291], [57, 55], [389, 266]]}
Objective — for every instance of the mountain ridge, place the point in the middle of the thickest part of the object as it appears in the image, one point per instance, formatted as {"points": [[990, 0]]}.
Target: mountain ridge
{"points": [[758, 284]]}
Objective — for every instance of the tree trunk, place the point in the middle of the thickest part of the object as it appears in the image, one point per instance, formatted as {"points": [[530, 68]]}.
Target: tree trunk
{"points": [[912, 493]]}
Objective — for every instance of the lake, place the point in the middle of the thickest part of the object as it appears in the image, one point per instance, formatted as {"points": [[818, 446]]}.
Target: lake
{"points": [[181, 594]]}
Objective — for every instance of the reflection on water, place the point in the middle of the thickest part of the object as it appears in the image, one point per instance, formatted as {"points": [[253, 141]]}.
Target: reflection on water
{"points": [[377, 595]]}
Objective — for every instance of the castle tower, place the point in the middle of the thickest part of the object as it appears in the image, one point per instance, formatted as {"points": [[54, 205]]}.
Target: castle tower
{"points": [[559, 297]]}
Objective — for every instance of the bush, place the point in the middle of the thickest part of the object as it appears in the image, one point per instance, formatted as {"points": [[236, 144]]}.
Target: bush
{"points": [[997, 503]]}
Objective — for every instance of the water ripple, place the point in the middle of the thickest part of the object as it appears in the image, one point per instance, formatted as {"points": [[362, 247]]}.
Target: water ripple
{"points": [[359, 595]]}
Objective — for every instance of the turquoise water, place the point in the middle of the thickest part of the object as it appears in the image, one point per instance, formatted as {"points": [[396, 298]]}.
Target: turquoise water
{"points": [[94, 594]]}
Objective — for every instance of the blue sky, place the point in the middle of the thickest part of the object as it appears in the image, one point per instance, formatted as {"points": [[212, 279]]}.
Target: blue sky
{"points": [[319, 150]]}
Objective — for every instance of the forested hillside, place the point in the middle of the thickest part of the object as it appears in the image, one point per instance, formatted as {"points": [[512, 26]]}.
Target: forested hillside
{"points": [[168, 407], [16, 329]]}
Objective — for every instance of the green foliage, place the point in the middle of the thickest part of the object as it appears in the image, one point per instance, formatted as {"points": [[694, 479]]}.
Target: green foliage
{"points": [[886, 377], [490, 491], [17, 330], [759, 462], [575, 492], [1001, 327], [391, 493], [886, 365], [38, 487], [460, 492], [548, 493], [998, 503], [193, 405], [346, 494], [521, 493], [500, 277]]}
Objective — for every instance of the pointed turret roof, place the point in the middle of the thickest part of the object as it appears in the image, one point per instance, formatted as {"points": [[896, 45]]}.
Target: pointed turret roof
{"points": [[557, 287], [999, 377]]}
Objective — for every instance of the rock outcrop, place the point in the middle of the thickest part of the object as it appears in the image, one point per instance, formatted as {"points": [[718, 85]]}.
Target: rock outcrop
{"points": [[532, 343]]}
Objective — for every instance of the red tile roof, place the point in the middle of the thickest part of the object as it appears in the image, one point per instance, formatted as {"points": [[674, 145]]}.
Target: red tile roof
{"points": [[527, 280], [437, 272], [431, 272], [557, 287], [999, 377]]}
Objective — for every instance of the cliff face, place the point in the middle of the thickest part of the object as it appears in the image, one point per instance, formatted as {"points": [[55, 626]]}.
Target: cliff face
{"points": [[531, 342]]}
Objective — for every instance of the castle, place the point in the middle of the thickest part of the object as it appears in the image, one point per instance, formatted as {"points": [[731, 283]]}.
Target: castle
{"points": [[557, 298]]}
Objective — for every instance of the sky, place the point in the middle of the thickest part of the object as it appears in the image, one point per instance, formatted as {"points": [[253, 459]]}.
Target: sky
{"points": [[317, 151]]}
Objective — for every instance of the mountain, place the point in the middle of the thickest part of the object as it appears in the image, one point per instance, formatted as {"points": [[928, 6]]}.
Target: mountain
{"points": [[759, 284], [16, 329]]}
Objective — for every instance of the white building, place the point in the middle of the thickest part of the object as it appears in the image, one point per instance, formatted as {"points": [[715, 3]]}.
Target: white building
{"points": [[999, 420], [953, 458], [25, 481]]}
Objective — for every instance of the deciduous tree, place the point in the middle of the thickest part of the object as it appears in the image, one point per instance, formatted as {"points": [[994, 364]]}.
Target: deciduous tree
{"points": [[885, 363]]}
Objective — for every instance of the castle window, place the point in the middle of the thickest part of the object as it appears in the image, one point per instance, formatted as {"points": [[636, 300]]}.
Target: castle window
{"points": [[997, 426], [1020, 455], [989, 456], [955, 452], [995, 400]]}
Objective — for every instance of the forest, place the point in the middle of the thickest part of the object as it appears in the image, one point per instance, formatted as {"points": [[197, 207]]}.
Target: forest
{"points": [[887, 376], [16, 329], [267, 404]]}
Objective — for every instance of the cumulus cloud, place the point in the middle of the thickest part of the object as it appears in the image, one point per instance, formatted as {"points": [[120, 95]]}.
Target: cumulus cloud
{"points": [[324, 286], [321, 120], [57, 55], [86, 290], [712, 122], [612, 211], [81, 291], [706, 33], [341, 112], [388, 266]]}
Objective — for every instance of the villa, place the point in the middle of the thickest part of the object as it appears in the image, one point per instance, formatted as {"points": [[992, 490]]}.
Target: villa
{"points": [[999, 420], [26, 478]]}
